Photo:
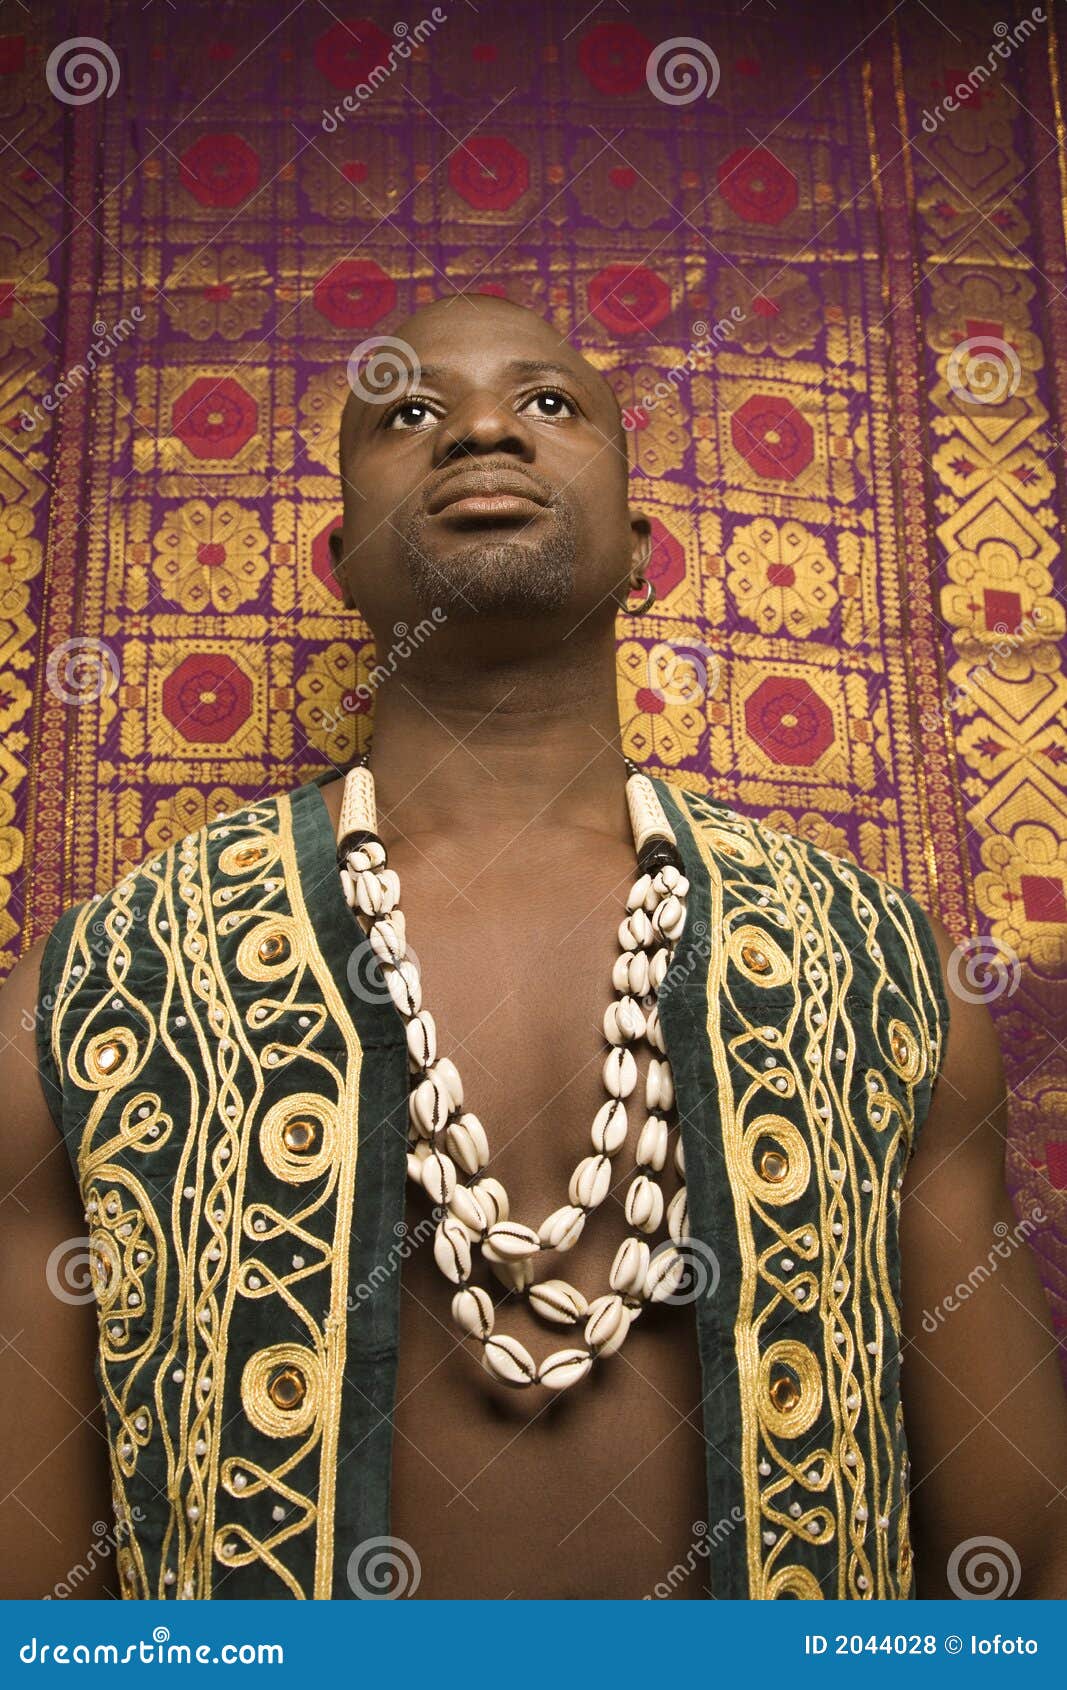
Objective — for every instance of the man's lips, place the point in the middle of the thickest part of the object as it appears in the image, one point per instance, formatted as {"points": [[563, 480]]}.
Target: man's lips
{"points": [[487, 497]]}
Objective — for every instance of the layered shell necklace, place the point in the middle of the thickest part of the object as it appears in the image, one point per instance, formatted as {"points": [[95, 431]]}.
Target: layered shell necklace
{"points": [[448, 1150]]}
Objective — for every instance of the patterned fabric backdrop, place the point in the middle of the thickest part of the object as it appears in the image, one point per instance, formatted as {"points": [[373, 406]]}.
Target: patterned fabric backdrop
{"points": [[828, 286]]}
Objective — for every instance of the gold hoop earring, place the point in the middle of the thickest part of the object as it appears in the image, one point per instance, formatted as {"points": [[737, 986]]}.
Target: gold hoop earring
{"points": [[647, 602]]}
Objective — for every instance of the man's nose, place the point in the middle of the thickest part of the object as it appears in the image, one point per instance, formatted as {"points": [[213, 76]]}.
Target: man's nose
{"points": [[483, 424]]}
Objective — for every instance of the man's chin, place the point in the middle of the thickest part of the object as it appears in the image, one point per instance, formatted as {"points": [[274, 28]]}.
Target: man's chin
{"points": [[502, 578]]}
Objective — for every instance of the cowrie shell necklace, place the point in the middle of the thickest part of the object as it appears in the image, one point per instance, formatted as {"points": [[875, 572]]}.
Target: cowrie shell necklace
{"points": [[448, 1150]]}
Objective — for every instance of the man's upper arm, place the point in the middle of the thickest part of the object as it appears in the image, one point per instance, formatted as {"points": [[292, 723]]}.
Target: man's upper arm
{"points": [[54, 1484], [985, 1410]]}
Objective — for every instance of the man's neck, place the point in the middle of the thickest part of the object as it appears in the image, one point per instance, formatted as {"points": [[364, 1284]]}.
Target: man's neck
{"points": [[488, 750]]}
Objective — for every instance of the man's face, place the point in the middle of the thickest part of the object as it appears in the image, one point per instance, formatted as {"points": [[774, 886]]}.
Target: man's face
{"points": [[493, 485]]}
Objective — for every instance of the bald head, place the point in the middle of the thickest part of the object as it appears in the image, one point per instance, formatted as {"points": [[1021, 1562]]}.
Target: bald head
{"points": [[393, 364]]}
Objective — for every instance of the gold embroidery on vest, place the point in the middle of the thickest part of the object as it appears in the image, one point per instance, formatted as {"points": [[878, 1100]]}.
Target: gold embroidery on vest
{"points": [[776, 932]]}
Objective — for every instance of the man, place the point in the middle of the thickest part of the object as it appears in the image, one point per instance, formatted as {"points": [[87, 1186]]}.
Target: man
{"points": [[489, 493]]}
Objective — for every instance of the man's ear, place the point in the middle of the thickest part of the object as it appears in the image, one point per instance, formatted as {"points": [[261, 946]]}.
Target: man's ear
{"points": [[640, 544], [336, 543]]}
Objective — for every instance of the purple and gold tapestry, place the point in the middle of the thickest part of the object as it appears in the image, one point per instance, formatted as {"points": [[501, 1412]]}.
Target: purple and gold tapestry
{"points": [[818, 251]]}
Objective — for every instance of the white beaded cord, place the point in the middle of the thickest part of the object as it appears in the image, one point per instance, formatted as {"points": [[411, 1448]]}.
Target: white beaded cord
{"points": [[448, 1149]]}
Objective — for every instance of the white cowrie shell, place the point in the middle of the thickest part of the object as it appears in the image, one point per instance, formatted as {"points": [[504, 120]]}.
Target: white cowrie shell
{"points": [[671, 879], [374, 852], [654, 1029], [563, 1368], [452, 1250], [405, 987], [555, 1300], [669, 918], [509, 1361], [638, 961], [493, 1199], [659, 1085], [678, 1216], [439, 1178], [621, 1025], [422, 1039], [620, 1072], [563, 1228], [466, 1208], [635, 931], [428, 1106], [610, 1127], [658, 964], [665, 1273], [590, 1182], [472, 1309], [644, 1204], [638, 892], [515, 1275], [445, 1070], [629, 1268], [468, 1144], [679, 1155], [651, 1149], [620, 971], [359, 861], [510, 1241], [389, 881], [385, 940], [607, 1315], [414, 1168], [370, 893], [629, 1017]]}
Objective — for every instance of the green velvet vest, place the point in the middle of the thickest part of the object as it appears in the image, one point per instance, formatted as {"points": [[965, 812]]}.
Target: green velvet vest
{"points": [[218, 994]]}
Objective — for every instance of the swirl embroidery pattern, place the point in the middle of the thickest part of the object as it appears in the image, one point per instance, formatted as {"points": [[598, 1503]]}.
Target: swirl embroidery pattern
{"points": [[825, 1023], [216, 1153]]}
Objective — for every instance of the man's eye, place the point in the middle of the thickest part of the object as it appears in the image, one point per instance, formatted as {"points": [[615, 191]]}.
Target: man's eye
{"points": [[554, 400], [404, 409]]}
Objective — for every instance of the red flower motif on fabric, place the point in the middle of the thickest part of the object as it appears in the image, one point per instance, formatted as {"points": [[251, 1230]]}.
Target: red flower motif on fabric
{"points": [[214, 419], [666, 566], [628, 299], [758, 186], [489, 172], [355, 293], [346, 54], [207, 697], [220, 170], [613, 57], [788, 720], [772, 436]]}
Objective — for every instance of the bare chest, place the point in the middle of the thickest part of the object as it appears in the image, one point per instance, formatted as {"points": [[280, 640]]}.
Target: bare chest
{"points": [[598, 1491]]}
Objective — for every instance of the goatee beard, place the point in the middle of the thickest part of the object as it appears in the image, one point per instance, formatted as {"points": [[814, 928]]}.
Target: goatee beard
{"points": [[494, 577]]}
